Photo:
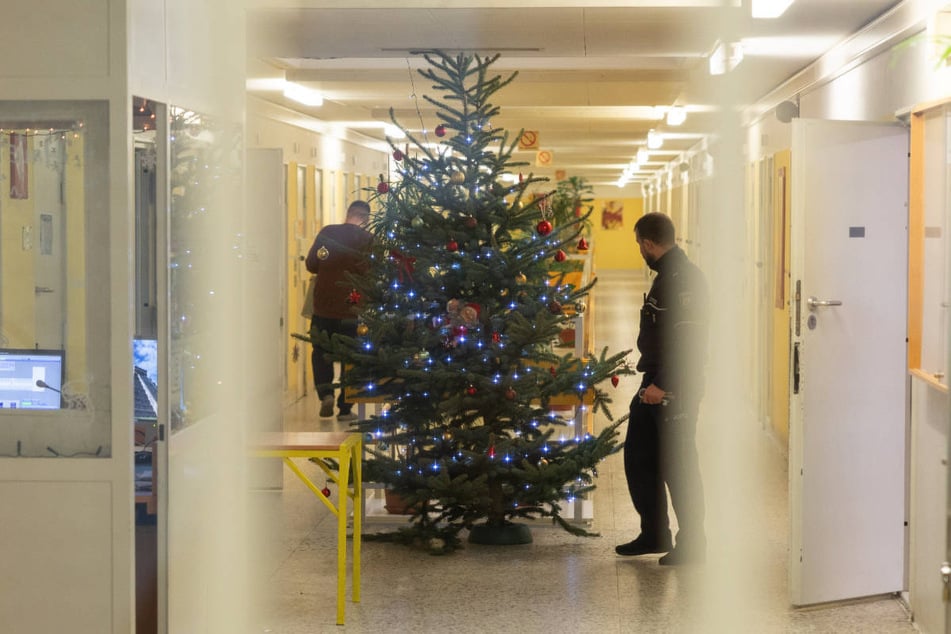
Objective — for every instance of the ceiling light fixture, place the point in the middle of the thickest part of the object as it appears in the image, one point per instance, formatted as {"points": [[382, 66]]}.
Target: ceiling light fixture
{"points": [[654, 140], [642, 155], [725, 57], [676, 115], [392, 131], [302, 94], [768, 9]]}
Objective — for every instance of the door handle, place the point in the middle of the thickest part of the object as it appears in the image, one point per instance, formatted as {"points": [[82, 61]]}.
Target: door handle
{"points": [[814, 303], [42, 289]]}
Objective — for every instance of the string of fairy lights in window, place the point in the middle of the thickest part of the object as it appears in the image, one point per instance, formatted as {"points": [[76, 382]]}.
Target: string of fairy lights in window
{"points": [[39, 144]]}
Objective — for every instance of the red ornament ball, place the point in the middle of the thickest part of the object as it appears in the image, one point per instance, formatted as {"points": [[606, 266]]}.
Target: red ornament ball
{"points": [[615, 379], [440, 130], [544, 228], [471, 390], [561, 256], [452, 245], [325, 492], [554, 308], [582, 245], [354, 297], [496, 337], [397, 155], [510, 394], [470, 222], [383, 187]]}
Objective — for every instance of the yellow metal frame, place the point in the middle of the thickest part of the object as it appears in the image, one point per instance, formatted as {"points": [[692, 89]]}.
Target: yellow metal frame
{"points": [[347, 450]]}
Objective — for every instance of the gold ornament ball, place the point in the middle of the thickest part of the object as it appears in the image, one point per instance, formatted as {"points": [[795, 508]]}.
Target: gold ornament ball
{"points": [[581, 307], [362, 330], [457, 178], [521, 278]]}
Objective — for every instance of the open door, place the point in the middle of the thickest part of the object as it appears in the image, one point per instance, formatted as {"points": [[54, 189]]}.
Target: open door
{"points": [[848, 383]]}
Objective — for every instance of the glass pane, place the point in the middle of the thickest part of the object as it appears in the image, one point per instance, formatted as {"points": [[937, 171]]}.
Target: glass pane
{"points": [[54, 279], [204, 175]]}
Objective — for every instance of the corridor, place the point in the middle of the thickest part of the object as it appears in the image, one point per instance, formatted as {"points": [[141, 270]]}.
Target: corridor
{"points": [[559, 583]]}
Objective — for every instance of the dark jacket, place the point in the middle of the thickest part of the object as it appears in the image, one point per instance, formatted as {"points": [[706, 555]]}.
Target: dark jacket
{"points": [[337, 250], [673, 331]]}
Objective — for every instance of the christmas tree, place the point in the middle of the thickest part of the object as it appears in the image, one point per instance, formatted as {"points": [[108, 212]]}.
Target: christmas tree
{"points": [[458, 315]]}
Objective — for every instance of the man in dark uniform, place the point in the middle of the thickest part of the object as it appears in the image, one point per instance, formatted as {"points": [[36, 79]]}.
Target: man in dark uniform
{"points": [[659, 448], [338, 250]]}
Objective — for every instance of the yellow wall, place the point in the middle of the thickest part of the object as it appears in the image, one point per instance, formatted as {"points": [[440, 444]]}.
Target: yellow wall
{"points": [[779, 374], [17, 299], [17, 296], [615, 248]]}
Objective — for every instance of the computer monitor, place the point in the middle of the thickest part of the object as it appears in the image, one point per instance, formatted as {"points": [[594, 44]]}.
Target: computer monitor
{"points": [[31, 379]]}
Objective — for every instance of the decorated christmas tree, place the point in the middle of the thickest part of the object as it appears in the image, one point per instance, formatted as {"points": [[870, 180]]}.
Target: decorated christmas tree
{"points": [[458, 316]]}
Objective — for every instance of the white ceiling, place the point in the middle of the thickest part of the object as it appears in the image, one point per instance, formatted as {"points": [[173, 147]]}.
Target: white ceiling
{"points": [[589, 77]]}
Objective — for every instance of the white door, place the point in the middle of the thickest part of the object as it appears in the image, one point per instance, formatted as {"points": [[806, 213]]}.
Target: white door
{"points": [[49, 258], [848, 398]]}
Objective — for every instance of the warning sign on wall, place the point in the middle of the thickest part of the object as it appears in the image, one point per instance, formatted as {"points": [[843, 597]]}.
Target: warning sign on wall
{"points": [[528, 140]]}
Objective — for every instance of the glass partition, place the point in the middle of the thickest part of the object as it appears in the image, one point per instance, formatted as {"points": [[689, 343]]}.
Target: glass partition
{"points": [[55, 290], [204, 252]]}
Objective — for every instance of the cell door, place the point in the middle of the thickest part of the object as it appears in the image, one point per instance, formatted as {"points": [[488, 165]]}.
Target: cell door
{"points": [[848, 394]]}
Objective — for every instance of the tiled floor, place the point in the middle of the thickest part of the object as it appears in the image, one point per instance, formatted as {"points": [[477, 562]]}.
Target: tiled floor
{"points": [[561, 583]]}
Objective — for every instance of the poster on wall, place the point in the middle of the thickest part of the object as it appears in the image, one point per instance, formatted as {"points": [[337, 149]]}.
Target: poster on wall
{"points": [[612, 214], [19, 185]]}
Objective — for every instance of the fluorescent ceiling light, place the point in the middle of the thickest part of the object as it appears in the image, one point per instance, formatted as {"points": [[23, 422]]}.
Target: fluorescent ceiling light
{"points": [[767, 9], [725, 57], [642, 155], [393, 131], [302, 94], [654, 140], [676, 115], [800, 46]]}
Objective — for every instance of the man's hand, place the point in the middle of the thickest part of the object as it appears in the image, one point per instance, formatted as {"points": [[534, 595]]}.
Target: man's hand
{"points": [[652, 395]]}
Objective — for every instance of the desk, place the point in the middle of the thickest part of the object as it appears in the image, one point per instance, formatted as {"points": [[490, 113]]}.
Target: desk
{"points": [[347, 449]]}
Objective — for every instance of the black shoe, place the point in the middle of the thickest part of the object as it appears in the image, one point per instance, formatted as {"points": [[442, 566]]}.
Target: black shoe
{"points": [[644, 546], [683, 556], [326, 406]]}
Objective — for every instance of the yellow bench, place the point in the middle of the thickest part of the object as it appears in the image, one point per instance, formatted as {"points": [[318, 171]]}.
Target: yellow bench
{"points": [[347, 450]]}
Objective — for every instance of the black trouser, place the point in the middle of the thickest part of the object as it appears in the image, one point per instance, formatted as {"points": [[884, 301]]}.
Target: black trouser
{"points": [[323, 367], [660, 450]]}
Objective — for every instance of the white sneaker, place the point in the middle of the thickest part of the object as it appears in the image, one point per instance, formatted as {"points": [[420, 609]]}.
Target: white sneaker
{"points": [[326, 406]]}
